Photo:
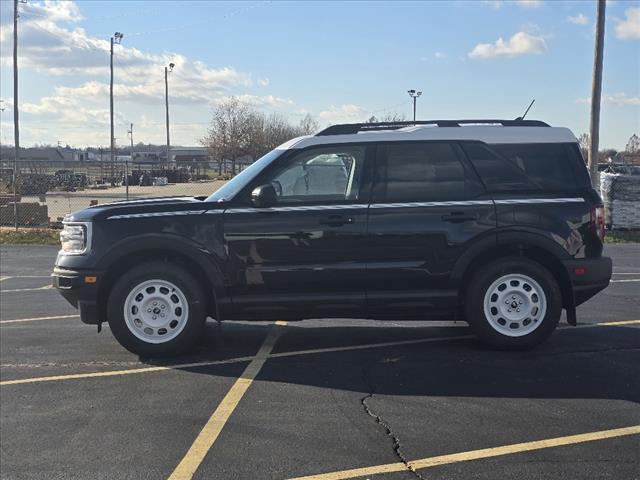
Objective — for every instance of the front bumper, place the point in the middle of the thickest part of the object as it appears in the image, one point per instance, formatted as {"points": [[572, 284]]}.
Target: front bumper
{"points": [[78, 288], [588, 277]]}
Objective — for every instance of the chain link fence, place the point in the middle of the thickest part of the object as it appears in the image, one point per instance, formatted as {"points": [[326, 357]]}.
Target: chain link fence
{"points": [[45, 192]]}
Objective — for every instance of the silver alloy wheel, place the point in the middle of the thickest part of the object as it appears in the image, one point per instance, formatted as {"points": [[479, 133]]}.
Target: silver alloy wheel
{"points": [[156, 311], [515, 305]]}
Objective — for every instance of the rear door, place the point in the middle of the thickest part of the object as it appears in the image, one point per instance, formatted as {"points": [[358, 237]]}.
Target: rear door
{"points": [[304, 256], [428, 207]]}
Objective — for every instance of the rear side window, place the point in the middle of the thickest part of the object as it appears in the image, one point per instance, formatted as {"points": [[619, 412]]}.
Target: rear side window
{"points": [[531, 167], [422, 172]]}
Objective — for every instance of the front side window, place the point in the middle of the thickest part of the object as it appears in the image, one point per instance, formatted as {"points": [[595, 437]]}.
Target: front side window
{"points": [[423, 172], [328, 174]]}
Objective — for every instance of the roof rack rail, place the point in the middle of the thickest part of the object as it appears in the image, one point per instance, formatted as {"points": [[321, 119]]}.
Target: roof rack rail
{"points": [[350, 128]]}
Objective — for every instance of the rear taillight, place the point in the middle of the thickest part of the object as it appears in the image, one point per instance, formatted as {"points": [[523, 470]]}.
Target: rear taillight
{"points": [[597, 220]]}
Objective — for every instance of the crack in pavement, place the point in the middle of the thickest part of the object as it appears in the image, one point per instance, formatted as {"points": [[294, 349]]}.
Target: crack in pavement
{"points": [[397, 446]]}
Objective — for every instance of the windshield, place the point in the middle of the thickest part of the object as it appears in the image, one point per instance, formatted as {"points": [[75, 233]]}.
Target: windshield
{"points": [[237, 183]]}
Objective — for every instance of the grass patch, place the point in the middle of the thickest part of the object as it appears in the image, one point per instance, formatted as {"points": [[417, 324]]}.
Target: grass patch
{"points": [[622, 236], [29, 236]]}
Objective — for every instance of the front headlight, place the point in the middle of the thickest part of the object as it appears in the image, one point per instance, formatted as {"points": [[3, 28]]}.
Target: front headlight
{"points": [[74, 238]]}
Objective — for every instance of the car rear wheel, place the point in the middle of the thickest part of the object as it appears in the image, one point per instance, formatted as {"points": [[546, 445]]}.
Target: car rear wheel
{"points": [[513, 303], [156, 308]]}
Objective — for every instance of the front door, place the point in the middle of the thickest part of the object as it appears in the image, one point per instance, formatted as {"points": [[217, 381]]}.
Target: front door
{"points": [[304, 256], [428, 207]]}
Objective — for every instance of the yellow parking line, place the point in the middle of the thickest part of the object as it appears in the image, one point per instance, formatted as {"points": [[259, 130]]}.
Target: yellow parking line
{"points": [[208, 435], [617, 324], [36, 319], [369, 345], [129, 371], [133, 371], [475, 454]]}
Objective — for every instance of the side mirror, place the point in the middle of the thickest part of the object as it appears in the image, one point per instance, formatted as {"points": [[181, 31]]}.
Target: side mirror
{"points": [[264, 196]]}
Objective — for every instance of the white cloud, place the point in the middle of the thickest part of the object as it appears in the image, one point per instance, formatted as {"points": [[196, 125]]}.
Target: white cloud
{"points": [[615, 99], [54, 10], [579, 19], [269, 101], [519, 44], [53, 44], [497, 4], [344, 113], [629, 28], [439, 55]]}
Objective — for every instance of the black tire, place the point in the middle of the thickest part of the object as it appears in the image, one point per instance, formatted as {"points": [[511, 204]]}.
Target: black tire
{"points": [[193, 325], [478, 287]]}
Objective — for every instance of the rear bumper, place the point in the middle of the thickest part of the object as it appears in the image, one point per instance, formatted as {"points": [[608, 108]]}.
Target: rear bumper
{"points": [[73, 286], [588, 277]]}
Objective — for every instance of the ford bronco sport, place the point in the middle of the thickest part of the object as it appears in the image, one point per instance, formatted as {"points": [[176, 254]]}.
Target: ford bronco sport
{"points": [[489, 221]]}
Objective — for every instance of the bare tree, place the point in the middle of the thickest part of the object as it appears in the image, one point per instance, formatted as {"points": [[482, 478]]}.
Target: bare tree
{"points": [[308, 125], [633, 145], [228, 132], [238, 130], [388, 118], [583, 142]]}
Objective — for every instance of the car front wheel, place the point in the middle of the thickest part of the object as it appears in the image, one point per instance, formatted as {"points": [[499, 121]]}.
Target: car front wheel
{"points": [[513, 303], [156, 308]]}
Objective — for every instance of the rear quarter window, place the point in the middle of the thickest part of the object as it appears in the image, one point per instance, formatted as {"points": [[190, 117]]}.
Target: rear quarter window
{"points": [[553, 167]]}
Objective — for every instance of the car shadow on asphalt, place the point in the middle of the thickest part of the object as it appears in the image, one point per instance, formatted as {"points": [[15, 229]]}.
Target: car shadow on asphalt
{"points": [[595, 363]]}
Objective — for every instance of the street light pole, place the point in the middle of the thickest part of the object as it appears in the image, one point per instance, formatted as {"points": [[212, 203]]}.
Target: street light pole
{"points": [[414, 94], [117, 38], [166, 105], [126, 163]]}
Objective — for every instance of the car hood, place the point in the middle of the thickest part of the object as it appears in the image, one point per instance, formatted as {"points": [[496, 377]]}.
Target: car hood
{"points": [[140, 206]]}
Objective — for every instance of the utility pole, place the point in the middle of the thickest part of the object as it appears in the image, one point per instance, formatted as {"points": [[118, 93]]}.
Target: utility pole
{"points": [[16, 125], [126, 163], [413, 94], [166, 104], [117, 38], [596, 93]]}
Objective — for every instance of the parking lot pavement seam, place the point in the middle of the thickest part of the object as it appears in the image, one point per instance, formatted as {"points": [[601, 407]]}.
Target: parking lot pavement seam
{"points": [[514, 448], [212, 429], [397, 446], [14, 290]]}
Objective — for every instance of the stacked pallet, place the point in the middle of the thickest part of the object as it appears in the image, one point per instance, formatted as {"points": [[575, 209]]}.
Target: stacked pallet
{"points": [[620, 191]]}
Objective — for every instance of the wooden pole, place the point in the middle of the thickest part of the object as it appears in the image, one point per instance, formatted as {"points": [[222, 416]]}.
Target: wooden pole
{"points": [[596, 94]]}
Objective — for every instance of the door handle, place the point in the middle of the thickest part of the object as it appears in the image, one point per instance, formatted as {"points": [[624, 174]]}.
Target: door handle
{"points": [[458, 217], [336, 221]]}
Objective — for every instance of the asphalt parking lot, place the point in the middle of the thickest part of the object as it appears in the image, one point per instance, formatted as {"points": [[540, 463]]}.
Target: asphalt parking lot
{"points": [[325, 399]]}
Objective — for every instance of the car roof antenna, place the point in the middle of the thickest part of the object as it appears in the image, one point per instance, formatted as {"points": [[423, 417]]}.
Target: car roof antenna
{"points": [[526, 111]]}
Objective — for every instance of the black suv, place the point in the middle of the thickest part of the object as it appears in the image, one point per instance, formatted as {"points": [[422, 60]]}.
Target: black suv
{"points": [[489, 221]]}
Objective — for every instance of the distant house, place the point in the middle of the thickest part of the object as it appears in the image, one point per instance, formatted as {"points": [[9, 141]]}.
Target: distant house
{"points": [[189, 155]]}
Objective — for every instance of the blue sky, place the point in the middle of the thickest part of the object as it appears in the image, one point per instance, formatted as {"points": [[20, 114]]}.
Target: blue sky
{"points": [[338, 61]]}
